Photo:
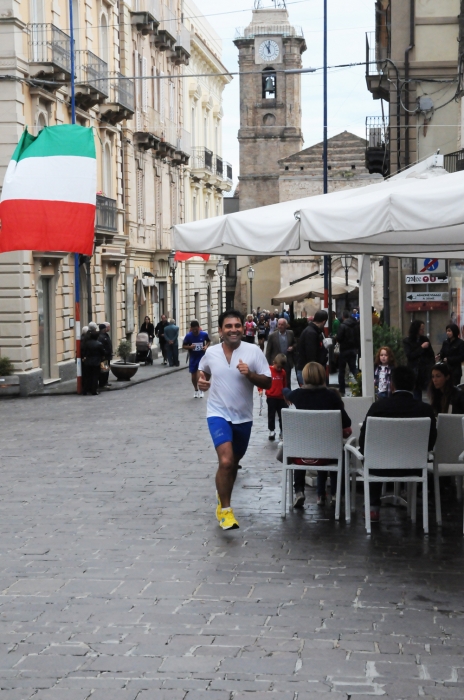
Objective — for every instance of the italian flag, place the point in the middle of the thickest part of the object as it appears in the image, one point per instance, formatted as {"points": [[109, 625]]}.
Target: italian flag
{"points": [[49, 193]]}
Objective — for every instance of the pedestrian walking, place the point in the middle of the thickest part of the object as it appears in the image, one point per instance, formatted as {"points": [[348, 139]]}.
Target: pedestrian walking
{"points": [[420, 356], [274, 396], [84, 338], [94, 355], [105, 340], [148, 328], [261, 328], [196, 342], [349, 341], [230, 371], [159, 332], [315, 396], [250, 329], [282, 341], [312, 344], [443, 395], [452, 352], [384, 362], [171, 336], [272, 323]]}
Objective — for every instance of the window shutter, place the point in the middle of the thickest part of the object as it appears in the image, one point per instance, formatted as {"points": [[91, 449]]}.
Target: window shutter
{"points": [[140, 207], [144, 86], [162, 105]]}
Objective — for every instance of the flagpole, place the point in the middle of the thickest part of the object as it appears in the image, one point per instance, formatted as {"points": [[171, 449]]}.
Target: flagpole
{"points": [[77, 312]]}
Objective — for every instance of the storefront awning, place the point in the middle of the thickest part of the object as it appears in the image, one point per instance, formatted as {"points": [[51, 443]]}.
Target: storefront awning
{"points": [[312, 287]]}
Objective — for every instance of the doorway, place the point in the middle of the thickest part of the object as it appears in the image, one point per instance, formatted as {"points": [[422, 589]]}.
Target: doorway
{"points": [[45, 323], [109, 302]]}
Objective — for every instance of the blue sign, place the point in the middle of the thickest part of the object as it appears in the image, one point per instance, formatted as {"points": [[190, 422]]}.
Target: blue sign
{"points": [[430, 265]]}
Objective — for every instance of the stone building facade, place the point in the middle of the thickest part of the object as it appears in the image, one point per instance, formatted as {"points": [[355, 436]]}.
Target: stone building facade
{"points": [[130, 88]]}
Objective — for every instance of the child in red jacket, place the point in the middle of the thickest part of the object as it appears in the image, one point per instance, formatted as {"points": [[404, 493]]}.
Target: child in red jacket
{"points": [[274, 395]]}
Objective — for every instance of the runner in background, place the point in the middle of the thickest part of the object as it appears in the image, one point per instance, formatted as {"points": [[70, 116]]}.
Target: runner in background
{"points": [[196, 342]]}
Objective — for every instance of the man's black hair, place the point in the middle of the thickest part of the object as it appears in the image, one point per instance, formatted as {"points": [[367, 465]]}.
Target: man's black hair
{"points": [[403, 378], [102, 326], [230, 313], [320, 316], [194, 324], [346, 313]]}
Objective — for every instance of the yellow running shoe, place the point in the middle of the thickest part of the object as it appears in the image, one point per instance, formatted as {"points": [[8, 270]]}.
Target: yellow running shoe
{"points": [[227, 520], [218, 507]]}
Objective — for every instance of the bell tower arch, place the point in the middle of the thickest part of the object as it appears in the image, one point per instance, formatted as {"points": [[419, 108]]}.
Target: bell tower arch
{"points": [[270, 100]]}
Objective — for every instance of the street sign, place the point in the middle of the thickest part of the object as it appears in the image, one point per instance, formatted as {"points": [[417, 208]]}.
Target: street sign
{"points": [[430, 265], [427, 296], [425, 279]]}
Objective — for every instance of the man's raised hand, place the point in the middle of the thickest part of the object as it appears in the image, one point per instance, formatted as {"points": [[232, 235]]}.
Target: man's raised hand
{"points": [[243, 368], [203, 383]]}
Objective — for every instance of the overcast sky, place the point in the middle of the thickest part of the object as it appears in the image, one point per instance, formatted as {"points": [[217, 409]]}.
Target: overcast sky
{"points": [[349, 101]]}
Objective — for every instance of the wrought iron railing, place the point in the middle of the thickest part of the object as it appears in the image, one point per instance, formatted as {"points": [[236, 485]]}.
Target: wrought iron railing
{"points": [[122, 91], [227, 171], [454, 162], [184, 142], [377, 132], [169, 21], [376, 54], [48, 44], [153, 7], [183, 39], [219, 166], [93, 71], [208, 159], [106, 216]]}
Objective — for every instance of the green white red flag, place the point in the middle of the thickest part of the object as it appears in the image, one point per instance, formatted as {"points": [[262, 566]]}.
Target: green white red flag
{"points": [[48, 199]]}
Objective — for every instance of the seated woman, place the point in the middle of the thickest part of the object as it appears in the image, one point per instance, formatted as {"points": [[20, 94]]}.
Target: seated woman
{"points": [[443, 395], [315, 396]]}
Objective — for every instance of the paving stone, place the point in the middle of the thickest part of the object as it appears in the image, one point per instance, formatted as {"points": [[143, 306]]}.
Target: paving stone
{"points": [[115, 581]]}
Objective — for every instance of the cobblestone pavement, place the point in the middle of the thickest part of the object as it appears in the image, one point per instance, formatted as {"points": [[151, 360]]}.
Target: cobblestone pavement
{"points": [[117, 583]]}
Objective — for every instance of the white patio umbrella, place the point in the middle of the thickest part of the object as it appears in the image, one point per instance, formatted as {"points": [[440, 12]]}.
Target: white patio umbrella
{"points": [[312, 287]]}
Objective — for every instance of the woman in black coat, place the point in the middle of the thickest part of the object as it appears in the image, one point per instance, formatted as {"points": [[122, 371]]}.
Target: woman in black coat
{"points": [[148, 327], [452, 352], [93, 355], [444, 396], [420, 356]]}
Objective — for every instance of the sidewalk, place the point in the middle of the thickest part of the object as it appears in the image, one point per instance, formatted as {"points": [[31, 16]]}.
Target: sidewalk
{"points": [[145, 373]]}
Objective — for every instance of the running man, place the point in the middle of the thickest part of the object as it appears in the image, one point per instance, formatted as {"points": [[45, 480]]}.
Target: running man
{"points": [[196, 342], [231, 370]]}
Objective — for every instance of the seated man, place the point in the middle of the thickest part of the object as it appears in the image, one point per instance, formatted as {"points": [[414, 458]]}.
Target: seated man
{"points": [[401, 404]]}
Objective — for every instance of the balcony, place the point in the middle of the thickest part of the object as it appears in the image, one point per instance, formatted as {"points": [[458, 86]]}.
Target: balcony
{"points": [[219, 166], [121, 100], [92, 85], [106, 218], [147, 134], [166, 37], [146, 16], [182, 49], [454, 162], [228, 172], [183, 151], [377, 146], [376, 77], [49, 52]]}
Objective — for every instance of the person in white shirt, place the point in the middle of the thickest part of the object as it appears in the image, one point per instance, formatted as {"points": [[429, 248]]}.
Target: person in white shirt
{"points": [[230, 371]]}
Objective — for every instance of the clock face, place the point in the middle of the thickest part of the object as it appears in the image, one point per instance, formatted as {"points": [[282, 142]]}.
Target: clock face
{"points": [[269, 50]]}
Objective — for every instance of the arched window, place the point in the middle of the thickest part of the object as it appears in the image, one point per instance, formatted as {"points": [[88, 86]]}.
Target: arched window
{"points": [[107, 179], [269, 81], [104, 46], [41, 122]]}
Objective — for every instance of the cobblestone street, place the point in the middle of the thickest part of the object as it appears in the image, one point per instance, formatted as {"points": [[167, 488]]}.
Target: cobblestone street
{"points": [[117, 583]]}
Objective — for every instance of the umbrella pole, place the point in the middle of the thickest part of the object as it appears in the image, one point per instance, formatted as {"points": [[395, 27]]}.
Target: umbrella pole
{"points": [[327, 259], [365, 313]]}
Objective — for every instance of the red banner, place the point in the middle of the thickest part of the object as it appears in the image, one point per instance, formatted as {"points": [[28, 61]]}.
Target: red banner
{"points": [[181, 257]]}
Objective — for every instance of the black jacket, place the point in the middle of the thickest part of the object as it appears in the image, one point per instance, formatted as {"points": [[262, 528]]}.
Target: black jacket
{"points": [[453, 351], [105, 340], [94, 353], [159, 330], [310, 346], [319, 399], [401, 404], [148, 328], [348, 335], [456, 402], [420, 359]]}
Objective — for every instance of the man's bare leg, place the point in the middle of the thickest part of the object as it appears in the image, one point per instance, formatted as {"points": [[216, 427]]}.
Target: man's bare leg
{"points": [[194, 377], [226, 473]]}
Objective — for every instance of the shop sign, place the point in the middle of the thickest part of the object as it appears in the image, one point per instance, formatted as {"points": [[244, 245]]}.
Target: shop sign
{"points": [[425, 279], [427, 296], [426, 306]]}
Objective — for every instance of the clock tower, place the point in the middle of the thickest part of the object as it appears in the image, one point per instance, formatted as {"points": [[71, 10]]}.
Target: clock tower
{"points": [[270, 101]]}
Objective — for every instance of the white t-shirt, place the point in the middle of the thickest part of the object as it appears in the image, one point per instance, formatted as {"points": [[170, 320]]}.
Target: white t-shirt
{"points": [[231, 393]]}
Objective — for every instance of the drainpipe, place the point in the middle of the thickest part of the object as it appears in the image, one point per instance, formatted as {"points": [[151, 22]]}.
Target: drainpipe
{"points": [[406, 78]]}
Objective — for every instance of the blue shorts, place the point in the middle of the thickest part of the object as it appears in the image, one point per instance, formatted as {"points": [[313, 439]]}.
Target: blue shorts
{"points": [[194, 362], [224, 431]]}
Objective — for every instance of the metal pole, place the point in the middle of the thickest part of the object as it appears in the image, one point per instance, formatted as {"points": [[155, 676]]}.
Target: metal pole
{"points": [[220, 295], [386, 290], [174, 293], [327, 259], [251, 296], [77, 313]]}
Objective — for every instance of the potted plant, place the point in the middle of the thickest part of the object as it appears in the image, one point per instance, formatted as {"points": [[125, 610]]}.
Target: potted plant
{"points": [[122, 369], [9, 384]]}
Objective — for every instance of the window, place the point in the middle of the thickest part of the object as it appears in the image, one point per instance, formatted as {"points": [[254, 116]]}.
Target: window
{"points": [[193, 128], [206, 209], [144, 85], [205, 131], [76, 22], [197, 305], [269, 81], [161, 97], [156, 91], [194, 207], [140, 197], [172, 101], [41, 122], [104, 46], [107, 178]]}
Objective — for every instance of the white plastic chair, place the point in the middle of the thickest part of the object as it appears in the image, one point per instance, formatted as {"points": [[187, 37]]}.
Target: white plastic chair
{"points": [[357, 408], [447, 455], [395, 443], [311, 435]]}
